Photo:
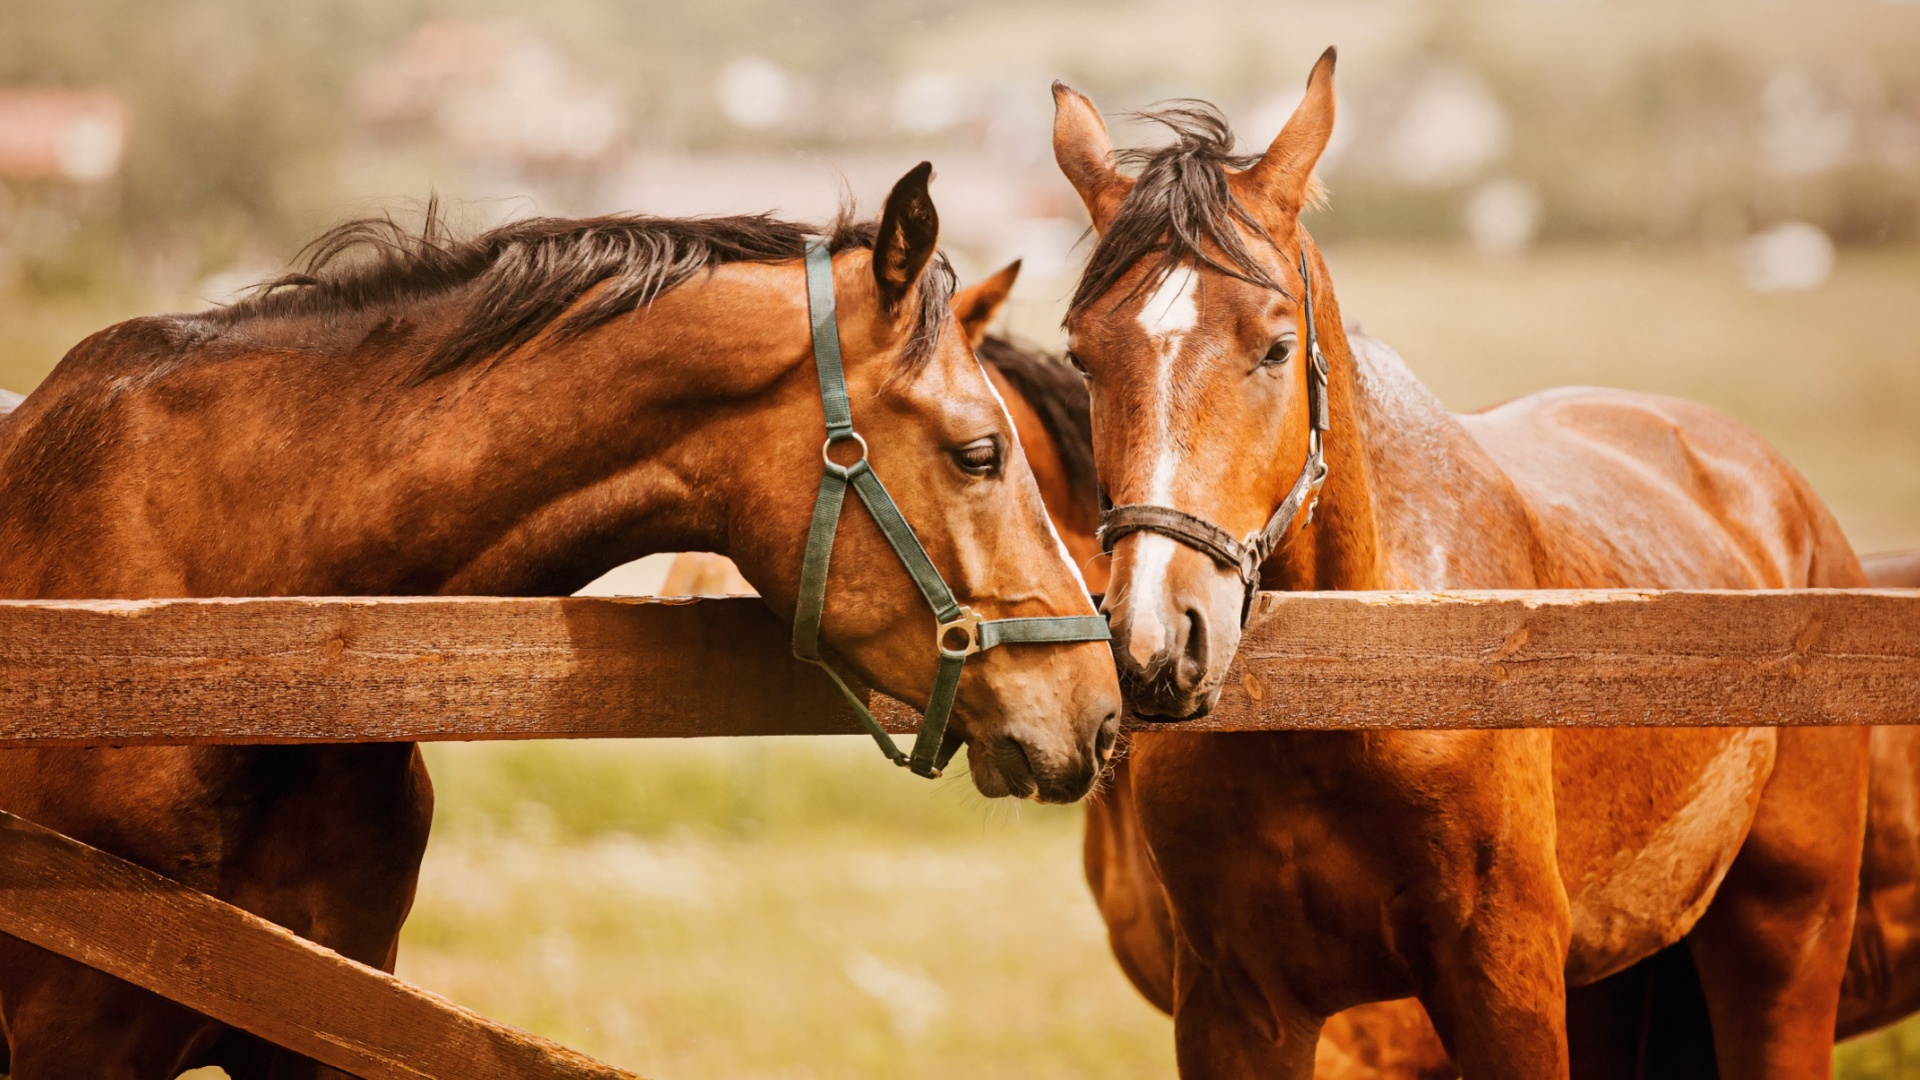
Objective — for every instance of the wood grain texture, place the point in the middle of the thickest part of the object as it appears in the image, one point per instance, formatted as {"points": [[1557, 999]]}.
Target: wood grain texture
{"points": [[333, 670], [158, 934], [1615, 658], [288, 670]]}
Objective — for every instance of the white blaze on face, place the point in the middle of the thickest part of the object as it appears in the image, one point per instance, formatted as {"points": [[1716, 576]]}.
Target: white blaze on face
{"points": [[1167, 316]]}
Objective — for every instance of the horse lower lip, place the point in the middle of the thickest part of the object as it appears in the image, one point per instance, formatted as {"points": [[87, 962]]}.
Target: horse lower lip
{"points": [[1015, 768]]}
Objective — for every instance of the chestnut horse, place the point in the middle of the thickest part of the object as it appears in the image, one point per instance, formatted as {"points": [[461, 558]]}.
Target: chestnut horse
{"points": [[1483, 872], [1049, 406], [511, 414]]}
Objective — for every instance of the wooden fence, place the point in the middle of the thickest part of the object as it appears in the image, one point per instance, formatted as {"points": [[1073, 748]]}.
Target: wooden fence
{"points": [[118, 673]]}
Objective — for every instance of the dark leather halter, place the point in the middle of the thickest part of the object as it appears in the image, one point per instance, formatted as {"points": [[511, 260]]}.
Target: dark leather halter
{"points": [[1242, 556]]}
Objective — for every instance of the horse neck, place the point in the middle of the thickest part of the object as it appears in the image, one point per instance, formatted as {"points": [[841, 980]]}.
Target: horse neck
{"points": [[636, 439], [1411, 501], [527, 474], [1341, 546]]}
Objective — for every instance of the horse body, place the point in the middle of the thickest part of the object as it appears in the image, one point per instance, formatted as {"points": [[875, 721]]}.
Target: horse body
{"points": [[1479, 871], [217, 455], [1644, 824]]}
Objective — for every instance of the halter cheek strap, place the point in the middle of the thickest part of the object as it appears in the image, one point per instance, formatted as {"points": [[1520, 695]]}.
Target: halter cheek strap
{"points": [[1243, 556], [959, 631]]}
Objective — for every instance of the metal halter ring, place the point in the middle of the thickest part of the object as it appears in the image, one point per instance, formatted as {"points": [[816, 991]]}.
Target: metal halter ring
{"points": [[968, 623], [827, 447]]}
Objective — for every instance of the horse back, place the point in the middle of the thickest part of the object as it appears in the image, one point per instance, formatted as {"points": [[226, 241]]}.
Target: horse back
{"points": [[1636, 490]]}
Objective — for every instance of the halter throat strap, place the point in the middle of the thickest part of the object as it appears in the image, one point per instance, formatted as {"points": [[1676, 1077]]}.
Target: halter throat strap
{"points": [[959, 631], [1246, 555]]}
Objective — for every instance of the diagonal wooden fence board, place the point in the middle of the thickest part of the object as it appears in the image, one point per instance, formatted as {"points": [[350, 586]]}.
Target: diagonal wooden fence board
{"points": [[156, 933], [81, 673]]}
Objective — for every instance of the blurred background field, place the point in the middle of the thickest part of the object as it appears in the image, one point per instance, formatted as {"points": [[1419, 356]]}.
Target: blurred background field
{"points": [[1712, 199]]}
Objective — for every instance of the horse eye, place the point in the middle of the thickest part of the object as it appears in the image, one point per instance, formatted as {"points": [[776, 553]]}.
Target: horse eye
{"points": [[1280, 353], [979, 457], [1077, 365]]}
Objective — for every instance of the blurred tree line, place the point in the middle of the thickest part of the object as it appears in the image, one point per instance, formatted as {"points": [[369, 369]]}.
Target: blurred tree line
{"points": [[1684, 120]]}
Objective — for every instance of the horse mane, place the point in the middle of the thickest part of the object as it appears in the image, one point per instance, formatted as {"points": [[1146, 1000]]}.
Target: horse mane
{"points": [[1058, 394], [525, 276], [1181, 209]]}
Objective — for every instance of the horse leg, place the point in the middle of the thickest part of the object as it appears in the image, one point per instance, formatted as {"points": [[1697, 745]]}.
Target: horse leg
{"points": [[65, 1021], [248, 1057], [1498, 999], [1648, 1022], [1226, 1028], [336, 863], [1772, 948], [1120, 875], [1488, 925]]}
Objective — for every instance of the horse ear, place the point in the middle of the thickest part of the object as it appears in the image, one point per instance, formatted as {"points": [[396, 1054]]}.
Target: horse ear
{"points": [[976, 305], [908, 235], [1283, 177], [1085, 154]]}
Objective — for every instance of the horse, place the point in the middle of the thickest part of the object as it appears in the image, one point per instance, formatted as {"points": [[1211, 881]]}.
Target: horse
{"points": [[1892, 569], [1247, 440], [1047, 403], [512, 413]]}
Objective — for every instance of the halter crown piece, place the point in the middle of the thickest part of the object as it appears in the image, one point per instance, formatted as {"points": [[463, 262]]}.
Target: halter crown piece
{"points": [[1243, 556], [959, 631]]}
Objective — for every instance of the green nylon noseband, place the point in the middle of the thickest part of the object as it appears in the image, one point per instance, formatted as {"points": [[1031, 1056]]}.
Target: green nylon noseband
{"points": [[959, 631]]}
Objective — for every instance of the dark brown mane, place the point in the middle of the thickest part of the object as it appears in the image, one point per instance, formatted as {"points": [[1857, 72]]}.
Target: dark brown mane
{"points": [[525, 275], [1059, 394], [1180, 209]]}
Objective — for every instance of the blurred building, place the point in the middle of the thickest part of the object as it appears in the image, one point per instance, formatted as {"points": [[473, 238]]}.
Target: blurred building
{"points": [[492, 91], [72, 136]]}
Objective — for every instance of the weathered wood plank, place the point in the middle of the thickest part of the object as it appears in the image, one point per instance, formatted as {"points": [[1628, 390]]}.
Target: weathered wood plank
{"points": [[158, 934], [1575, 659], [92, 673], [320, 670]]}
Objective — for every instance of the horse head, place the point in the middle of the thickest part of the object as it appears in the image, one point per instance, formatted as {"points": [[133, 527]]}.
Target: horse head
{"points": [[1192, 325], [1039, 719]]}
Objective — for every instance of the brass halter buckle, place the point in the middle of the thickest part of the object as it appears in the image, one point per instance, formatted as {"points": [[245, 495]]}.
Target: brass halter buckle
{"points": [[968, 623], [826, 450]]}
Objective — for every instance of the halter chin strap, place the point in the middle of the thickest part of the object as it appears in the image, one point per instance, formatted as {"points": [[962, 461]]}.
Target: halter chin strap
{"points": [[1244, 556], [959, 631]]}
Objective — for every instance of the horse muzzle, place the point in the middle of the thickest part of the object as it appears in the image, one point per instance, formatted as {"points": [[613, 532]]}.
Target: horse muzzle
{"points": [[1173, 643]]}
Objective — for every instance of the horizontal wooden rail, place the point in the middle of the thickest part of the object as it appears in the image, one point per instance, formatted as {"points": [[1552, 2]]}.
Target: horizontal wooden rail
{"points": [[1575, 658], [84, 673], [156, 933], [404, 668]]}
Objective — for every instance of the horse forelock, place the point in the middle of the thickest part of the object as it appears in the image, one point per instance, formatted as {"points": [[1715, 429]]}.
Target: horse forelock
{"points": [[534, 276], [1181, 211]]}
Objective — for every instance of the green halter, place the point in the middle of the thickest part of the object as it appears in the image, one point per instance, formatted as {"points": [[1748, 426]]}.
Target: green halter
{"points": [[960, 632]]}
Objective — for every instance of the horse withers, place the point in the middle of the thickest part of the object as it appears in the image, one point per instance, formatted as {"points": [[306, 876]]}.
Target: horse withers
{"points": [[1245, 440], [510, 414]]}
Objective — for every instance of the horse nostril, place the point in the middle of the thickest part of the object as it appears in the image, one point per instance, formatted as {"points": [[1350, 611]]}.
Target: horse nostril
{"points": [[1191, 667], [1105, 737]]}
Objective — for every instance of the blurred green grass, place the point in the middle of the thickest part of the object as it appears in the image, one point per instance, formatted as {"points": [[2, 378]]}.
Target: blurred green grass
{"points": [[769, 908]]}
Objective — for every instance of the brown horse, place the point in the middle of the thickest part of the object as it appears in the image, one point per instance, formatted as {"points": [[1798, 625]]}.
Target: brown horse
{"points": [[510, 414], [1483, 872]]}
